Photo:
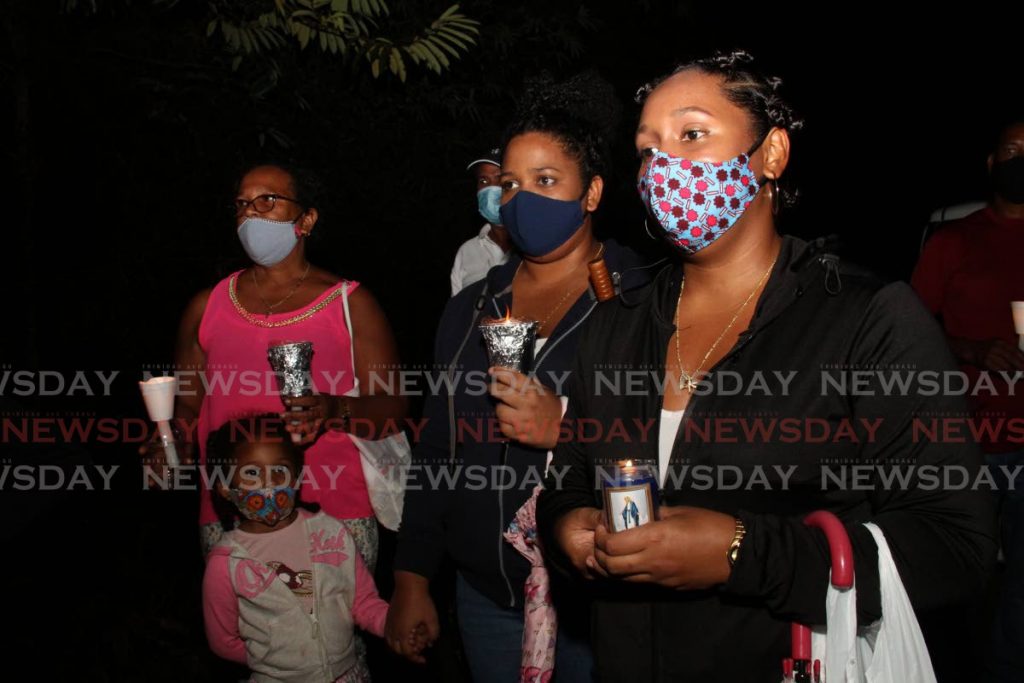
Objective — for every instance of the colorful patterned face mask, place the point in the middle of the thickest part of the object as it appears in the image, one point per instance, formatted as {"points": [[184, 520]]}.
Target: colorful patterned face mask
{"points": [[269, 505], [696, 201]]}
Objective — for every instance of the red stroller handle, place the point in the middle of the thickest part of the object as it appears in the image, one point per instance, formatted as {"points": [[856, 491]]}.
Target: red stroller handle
{"points": [[799, 665]]}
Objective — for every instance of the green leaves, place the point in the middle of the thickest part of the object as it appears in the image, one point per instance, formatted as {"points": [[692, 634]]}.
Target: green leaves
{"points": [[339, 28], [448, 36]]}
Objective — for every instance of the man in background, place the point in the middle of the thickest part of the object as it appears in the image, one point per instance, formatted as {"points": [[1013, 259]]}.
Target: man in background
{"points": [[490, 247], [968, 274]]}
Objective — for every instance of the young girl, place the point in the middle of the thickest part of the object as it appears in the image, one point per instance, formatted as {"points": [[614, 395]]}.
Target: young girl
{"points": [[283, 591]]}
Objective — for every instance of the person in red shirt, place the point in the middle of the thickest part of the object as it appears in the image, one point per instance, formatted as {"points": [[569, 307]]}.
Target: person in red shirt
{"points": [[968, 274]]}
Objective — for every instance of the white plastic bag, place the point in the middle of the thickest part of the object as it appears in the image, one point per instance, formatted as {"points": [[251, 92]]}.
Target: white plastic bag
{"points": [[891, 650], [385, 461]]}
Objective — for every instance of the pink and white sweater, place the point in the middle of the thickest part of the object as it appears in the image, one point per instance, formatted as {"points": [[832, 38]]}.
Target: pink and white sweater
{"points": [[285, 602]]}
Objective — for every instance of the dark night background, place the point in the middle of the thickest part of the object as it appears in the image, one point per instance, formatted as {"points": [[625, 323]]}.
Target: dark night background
{"points": [[124, 129]]}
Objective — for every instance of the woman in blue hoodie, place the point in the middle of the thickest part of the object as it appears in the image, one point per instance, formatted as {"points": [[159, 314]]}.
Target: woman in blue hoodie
{"points": [[552, 179]]}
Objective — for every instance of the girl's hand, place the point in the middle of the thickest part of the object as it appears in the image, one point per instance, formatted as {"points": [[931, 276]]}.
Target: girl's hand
{"points": [[527, 411], [685, 548]]}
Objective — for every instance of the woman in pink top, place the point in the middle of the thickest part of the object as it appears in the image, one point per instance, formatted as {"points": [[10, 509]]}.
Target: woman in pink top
{"points": [[225, 332]]}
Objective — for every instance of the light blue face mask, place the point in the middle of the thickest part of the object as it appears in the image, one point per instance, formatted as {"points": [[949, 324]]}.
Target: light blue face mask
{"points": [[488, 202], [265, 241]]}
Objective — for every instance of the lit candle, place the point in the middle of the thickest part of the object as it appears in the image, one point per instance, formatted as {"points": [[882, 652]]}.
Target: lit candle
{"points": [[630, 496], [509, 342]]}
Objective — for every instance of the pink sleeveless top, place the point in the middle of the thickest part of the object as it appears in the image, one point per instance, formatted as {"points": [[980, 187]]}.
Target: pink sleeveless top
{"points": [[239, 382]]}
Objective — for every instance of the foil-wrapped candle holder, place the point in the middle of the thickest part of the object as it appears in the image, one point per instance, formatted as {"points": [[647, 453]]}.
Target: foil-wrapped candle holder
{"points": [[292, 363], [509, 342], [630, 496]]}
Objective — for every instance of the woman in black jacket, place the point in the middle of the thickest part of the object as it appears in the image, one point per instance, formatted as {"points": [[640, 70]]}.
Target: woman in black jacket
{"points": [[745, 343], [552, 180]]}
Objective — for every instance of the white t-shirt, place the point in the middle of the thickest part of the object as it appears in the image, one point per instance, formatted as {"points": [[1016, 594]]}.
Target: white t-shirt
{"points": [[538, 344], [670, 421], [475, 257]]}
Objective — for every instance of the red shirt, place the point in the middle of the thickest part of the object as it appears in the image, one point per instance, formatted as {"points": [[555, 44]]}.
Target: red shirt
{"points": [[968, 274]]}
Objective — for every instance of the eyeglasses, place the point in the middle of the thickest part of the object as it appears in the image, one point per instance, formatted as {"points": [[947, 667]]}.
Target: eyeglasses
{"points": [[263, 204]]}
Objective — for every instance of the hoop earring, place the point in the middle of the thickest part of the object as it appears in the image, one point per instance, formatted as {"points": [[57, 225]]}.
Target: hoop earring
{"points": [[776, 196], [647, 229]]}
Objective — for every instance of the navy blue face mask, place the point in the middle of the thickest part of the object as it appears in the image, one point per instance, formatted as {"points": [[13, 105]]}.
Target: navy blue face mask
{"points": [[537, 224]]}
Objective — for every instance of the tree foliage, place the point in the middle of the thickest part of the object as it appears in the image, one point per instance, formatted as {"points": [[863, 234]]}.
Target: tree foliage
{"points": [[347, 29]]}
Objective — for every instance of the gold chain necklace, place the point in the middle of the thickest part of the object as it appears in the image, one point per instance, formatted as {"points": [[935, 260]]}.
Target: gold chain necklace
{"points": [[262, 322], [688, 380], [295, 288], [540, 326]]}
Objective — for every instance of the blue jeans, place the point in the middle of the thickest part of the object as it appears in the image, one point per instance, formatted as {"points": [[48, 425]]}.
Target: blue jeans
{"points": [[1006, 657], [493, 638]]}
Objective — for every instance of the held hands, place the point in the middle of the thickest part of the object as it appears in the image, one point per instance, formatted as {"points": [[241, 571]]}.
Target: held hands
{"points": [[412, 623], [685, 548], [527, 411]]}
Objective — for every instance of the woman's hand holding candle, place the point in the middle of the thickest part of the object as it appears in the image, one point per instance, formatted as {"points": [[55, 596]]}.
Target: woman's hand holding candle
{"points": [[527, 411], [685, 548], [306, 416], [575, 534]]}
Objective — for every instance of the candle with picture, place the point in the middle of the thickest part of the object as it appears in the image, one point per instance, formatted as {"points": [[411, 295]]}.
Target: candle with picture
{"points": [[630, 496]]}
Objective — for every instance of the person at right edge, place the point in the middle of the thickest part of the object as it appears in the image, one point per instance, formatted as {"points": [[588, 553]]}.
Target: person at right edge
{"points": [[707, 591], [969, 272]]}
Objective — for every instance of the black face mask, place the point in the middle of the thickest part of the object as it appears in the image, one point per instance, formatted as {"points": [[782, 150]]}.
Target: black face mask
{"points": [[1008, 179]]}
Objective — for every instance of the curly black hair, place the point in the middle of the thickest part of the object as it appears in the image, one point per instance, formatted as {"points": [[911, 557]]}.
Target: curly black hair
{"points": [[223, 443], [581, 113], [746, 87]]}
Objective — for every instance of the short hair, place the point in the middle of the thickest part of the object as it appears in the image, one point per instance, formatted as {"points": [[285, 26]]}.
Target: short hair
{"points": [[306, 184], [223, 443], [1002, 126]]}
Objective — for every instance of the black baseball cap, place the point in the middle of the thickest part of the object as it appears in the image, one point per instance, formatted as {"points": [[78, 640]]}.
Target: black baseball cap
{"points": [[491, 156]]}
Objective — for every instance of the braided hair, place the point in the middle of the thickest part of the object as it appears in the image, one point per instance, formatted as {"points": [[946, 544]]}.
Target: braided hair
{"points": [[581, 113], [749, 89]]}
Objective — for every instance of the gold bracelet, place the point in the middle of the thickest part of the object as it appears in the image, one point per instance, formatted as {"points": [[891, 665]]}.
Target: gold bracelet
{"points": [[737, 538]]}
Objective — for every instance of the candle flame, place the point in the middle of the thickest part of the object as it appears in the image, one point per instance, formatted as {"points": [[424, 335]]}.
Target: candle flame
{"points": [[628, 463], [508, 315]]}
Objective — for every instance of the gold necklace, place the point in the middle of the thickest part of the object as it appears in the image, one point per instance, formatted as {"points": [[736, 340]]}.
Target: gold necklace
{"points": [[295, 288], [688, 380], [540, 325], [299, 317]]}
